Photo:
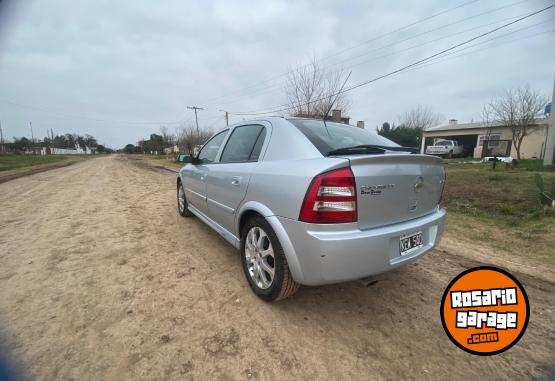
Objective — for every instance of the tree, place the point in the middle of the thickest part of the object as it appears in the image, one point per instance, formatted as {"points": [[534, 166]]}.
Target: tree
{"points": [[420, 118], [413, 122], [168, 139], [188, 139], [130, 148], [402, 135], [311, 91], [517, 109]]}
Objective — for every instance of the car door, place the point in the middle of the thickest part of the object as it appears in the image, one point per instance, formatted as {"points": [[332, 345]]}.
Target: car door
{"points": [[196, 173], [228, 180]]}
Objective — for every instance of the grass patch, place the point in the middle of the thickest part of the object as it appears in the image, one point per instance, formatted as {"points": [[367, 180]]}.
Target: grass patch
{"points": [[505, 197], [8, 162], [532, 240], [531, 165]]}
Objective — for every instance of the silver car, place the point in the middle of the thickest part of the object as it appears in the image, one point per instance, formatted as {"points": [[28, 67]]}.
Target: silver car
{"points": [[312, 202]]}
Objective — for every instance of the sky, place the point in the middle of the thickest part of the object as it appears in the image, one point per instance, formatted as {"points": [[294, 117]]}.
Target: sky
{"points": [[119, 70]]}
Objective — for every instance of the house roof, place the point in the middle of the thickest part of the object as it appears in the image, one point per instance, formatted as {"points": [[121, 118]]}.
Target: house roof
{"points": [[477, 125]]}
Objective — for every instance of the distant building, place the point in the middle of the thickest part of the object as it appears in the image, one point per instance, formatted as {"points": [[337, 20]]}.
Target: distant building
{"points": [[472, 136]]}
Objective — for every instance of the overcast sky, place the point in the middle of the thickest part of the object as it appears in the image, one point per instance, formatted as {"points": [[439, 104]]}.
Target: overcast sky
{"points": [[120, 69]]}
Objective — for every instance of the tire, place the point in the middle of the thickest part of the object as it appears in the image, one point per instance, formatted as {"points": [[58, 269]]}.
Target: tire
{"points": [[450, 155], [182, 207], [257, 238]]}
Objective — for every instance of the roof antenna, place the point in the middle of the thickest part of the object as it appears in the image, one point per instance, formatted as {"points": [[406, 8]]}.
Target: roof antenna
{"points": [[336, 96]]}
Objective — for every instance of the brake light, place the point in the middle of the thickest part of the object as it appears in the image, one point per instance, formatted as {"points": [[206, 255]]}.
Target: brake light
{"points": [[331, 198]]}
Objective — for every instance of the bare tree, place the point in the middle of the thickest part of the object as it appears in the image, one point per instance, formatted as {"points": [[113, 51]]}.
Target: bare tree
{"points": [[167, 138], [518, 109], [189, 140], [420, 118], [487, 118], [311, 91]]}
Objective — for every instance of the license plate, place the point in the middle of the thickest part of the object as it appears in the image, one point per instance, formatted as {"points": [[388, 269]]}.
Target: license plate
{"points": [[410, 242]]}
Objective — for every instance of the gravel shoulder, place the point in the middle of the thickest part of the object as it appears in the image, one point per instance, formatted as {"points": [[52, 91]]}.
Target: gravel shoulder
{"points": [[100, 278]]}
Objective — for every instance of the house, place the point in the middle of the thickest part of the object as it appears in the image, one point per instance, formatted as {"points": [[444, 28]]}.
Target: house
{"points": [[172, 149], [472, 136]]}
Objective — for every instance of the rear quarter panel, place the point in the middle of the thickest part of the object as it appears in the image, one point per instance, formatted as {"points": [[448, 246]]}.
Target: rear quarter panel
{"points": [[281, 185]]}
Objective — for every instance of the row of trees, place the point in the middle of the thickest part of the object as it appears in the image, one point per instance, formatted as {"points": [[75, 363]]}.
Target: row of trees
{"points": [[187, 138], [70, 141]]}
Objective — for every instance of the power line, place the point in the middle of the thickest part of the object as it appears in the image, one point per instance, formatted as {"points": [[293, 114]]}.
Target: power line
{"points": [[272, 89], [407, 26], [364, 83], [73, 116]]}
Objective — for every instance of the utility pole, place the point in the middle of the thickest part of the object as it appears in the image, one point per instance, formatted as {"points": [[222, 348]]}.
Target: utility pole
{"points": [[195, 109], [226, 117], [32, 136], [1, 138], [549, 155]]}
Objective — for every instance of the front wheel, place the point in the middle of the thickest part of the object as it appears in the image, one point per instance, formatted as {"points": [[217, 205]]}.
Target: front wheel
{"points": [[182, 205], [264, 262]]}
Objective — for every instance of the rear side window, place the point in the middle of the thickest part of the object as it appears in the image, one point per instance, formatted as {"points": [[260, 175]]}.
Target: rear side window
{"points": [[331, 136], [244, 144]]}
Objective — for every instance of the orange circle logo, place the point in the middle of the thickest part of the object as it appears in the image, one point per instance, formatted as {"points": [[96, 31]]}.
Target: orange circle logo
{"points": [[485, 310]]}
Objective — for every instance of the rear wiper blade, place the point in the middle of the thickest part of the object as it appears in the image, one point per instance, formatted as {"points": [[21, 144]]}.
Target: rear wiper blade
{"points": [[368, 149]]}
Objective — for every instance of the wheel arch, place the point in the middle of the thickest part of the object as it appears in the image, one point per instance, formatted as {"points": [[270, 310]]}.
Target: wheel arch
{"points": [[253, 208]]}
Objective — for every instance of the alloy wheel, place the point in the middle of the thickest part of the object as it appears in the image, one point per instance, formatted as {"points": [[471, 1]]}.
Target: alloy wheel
{"points": [[260, 257]]}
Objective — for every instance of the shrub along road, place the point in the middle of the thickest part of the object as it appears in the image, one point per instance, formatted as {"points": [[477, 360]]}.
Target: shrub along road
{"points": [[101, 279]]}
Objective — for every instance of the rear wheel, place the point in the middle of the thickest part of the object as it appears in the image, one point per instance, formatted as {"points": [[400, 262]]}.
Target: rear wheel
{"points": [[264, 262], [182, 205]]}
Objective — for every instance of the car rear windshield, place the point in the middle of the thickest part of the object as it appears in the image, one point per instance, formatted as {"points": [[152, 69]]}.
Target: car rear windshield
{"points": [[332, 136], [443, 143]]}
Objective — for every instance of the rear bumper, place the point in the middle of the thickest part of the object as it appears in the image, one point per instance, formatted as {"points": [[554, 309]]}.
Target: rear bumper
{"points": [[342, 252]]}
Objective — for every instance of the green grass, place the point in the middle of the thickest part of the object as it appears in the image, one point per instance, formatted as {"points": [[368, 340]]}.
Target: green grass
{"points": [[8, 162], [504, 196], [531, 165], [501, 210]]}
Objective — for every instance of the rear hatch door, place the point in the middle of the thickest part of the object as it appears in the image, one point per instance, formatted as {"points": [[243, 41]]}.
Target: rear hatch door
{"points": [[395, 187]]}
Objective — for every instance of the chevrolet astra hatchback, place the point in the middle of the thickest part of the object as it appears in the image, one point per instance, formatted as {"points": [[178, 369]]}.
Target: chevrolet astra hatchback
{"points": [[308, 202]]}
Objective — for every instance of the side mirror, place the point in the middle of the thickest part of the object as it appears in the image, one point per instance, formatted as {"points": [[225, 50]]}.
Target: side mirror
{"points": [[195, 160], [187, 159]]}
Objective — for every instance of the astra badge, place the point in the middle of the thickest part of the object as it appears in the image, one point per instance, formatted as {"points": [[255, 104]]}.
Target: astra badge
{"points": [[375, 190]]}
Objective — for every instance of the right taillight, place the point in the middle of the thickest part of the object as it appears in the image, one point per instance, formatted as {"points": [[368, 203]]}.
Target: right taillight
{"points": [[331, 198]]}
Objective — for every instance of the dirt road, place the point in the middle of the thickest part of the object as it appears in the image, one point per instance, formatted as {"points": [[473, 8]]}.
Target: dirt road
{"points": [[101, 279]]}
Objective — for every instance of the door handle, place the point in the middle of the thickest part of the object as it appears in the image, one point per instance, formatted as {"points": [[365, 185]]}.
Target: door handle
{"points": [[235, 180]]}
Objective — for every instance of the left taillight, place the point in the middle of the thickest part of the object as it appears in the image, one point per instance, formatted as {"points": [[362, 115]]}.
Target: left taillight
{"points": [[331, 198]]}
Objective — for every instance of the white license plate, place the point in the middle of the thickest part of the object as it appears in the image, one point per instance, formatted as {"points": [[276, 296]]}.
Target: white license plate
{"points": [[410, 242]]}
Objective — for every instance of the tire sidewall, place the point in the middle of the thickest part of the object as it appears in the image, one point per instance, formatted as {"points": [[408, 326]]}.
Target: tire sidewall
{"points": [[183, 212], [272, 292]]}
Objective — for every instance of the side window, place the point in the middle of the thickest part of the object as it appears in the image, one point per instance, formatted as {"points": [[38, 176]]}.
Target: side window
{"points": [[244, 144], [210, 150]]}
